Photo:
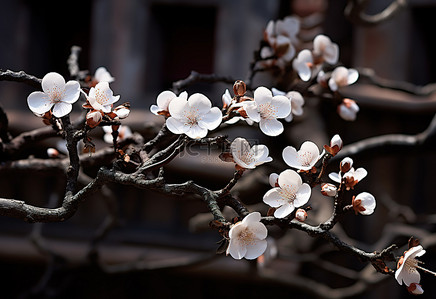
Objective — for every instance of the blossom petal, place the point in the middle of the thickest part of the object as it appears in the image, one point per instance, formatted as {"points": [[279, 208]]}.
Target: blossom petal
{"points": [[238, 147], [262, 95], [273, 198], [334, 176], [176, 126], [178, 107], [39, 102], [256, 249], [352, 77], [303, 195], [252, 218], [284, 210], [53, 82], [282, 106], [290, 156], [61, 109], [289, 179], [271, 127], [360, 174], [252, 111], [273, 179], [259, 230], [72, 92], [200, 102], [212, 119], [154, 109], [196, 132], [260, 154], [236, 249], [164, 99]]}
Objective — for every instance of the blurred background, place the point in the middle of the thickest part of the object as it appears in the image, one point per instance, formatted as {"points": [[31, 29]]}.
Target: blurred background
{"points": [[161, 247]]}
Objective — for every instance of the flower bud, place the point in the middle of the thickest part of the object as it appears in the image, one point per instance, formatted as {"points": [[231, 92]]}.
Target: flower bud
{"points": [[93, 118], [415, 289], [348, 109], [239, 88], [301, 215], [122, 111], [328, 190], [346, 164], [335, 145], [52, 152]]}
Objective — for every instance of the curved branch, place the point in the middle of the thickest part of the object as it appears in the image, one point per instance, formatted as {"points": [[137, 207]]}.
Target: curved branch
{"points": [[355, 12]]}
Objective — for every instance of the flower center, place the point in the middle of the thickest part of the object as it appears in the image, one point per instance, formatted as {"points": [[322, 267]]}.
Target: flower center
{"points": [[410, 264], [101, 97], [267, 111], [304, 158], [191, 118], [246, 237], [56, 94], [289, 192]]}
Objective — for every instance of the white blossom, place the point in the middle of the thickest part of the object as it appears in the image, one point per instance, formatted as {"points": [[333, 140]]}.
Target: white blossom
{"points": [[407, 266], [101, 97], [297, 102], [163, 101], [193, 117], [304, 159], [247, 238], [249, 157], [303, 64], [351, 177], [57, 96], [324, 48], [266, 109], [103, 75], [291, 193], [328, 189], [281, 37], [341, 76], [348, 109], [364, 203]]}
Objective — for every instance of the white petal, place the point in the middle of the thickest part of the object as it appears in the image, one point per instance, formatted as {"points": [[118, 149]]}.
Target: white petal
{"points": [[236, 249], [332, 84], [282, 106], [273, 198], [252, 111], [212, 119], [271, 127], [290, 156], [360, 174], [251, 218], [178, 107], [262, 95], [39, 102], [236, 230], [259, 230], [61, 109], [334, 176], [101, 74], [238, 147], [200, 103], [72, 92], [176, 126], [289, 179], [303, 195], [196, 132], [353, 75], [273, 179], [284, 210], [311, 150], [53, 82], [164, 99], [277, 92], [260, 154], [255, 249]]}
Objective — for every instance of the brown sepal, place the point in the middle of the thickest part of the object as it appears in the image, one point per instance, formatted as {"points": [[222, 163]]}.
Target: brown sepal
{"points": [[271, 211], [413, 242]]}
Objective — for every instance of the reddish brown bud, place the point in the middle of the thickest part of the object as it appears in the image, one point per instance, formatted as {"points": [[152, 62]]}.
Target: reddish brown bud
{"points": [[239, 88]]}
